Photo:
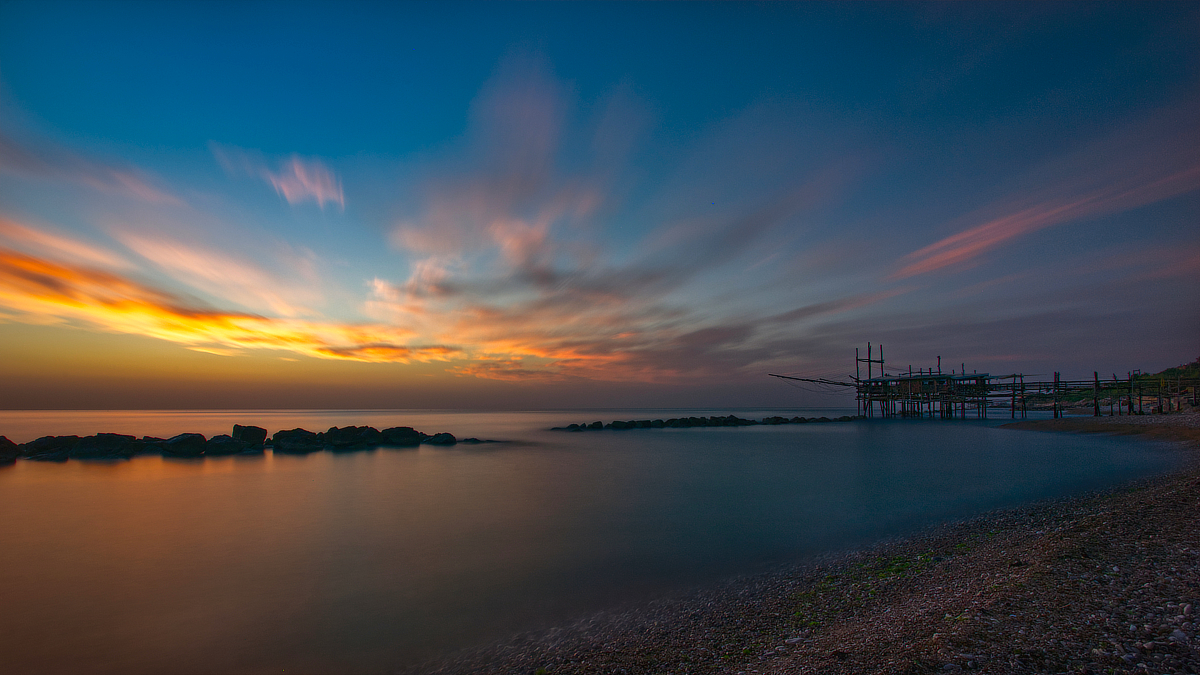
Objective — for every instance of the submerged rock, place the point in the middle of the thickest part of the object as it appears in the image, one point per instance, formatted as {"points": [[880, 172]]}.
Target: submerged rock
{"points": [[296, 442], [104, 446], [184, 445], [49, 448], [401, 437], [249, 434], [441, 439]]}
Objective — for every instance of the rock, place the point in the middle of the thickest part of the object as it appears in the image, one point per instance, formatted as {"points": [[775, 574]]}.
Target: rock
{"points": [[596, 425], [657, 424], [1178, 636], [618, 425], [49, 448], [574, 427], [224, 444], [352, 438], [401, 437], [1187, 609], [104, 446], [249, 435], [296, 442], [8, 451], [184, 445], [441, 439], [799, 420]]}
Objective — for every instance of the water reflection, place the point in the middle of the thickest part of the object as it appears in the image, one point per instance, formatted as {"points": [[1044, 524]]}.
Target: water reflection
{"points": [[365, 561]]}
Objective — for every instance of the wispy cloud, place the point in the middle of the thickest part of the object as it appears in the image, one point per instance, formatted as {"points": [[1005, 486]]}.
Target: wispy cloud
{"points": [[46, 161], [507, 264], [295, 179], [225, 275]]}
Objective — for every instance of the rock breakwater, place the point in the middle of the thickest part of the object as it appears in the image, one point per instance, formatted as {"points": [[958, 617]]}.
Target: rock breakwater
{"points": [[243, 440]]}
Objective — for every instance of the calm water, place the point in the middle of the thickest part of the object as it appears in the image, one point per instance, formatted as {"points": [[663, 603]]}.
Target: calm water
{"points": [[371, 560]]}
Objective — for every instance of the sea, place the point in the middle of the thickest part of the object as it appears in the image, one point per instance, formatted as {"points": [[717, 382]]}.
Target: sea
{"points": [[377, 560]]}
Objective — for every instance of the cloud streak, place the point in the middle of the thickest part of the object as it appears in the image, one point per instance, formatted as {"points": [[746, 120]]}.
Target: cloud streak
{"points": [[1144, 164], [222, 274]]}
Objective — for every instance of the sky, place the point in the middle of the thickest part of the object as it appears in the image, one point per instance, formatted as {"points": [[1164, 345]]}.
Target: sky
{"points": [[540, 205]]}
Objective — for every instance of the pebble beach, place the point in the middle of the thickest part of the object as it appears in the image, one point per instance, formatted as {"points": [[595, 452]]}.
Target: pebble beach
{"points": [[1107, 582]]}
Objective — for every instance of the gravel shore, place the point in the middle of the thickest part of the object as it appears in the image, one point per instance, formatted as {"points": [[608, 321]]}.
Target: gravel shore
{"points": [[1105, 583]]}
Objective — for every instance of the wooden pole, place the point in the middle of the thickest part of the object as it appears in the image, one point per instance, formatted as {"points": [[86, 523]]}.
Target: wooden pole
{"points": [[1129, 403], [1095, 394], [1024, 410], [1055, 394]]}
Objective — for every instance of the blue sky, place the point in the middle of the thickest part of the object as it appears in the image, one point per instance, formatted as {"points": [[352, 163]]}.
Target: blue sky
{"points": [[524, 205]]}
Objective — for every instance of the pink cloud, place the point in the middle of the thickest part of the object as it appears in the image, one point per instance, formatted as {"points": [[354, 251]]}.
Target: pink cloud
{"points": [[962, 248], [297, 179], [1141, 165], [302, 180]]}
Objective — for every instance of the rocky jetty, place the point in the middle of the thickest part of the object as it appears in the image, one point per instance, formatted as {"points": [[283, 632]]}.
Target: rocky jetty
{"points": [[243, 440], [689, 422]]}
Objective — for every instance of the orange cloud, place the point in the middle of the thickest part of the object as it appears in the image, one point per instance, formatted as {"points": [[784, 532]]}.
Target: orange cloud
{"points": [[43, 290]]}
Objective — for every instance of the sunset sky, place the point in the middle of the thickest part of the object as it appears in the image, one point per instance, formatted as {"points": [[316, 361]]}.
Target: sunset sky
{"points": [[268, 205]]}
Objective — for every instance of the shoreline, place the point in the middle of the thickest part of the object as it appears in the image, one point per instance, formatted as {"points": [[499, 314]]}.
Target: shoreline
{"points": [[1107, 581]]}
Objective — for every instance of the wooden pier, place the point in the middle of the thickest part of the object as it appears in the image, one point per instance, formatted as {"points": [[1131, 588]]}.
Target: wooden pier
{"points": [[930, 392]]}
